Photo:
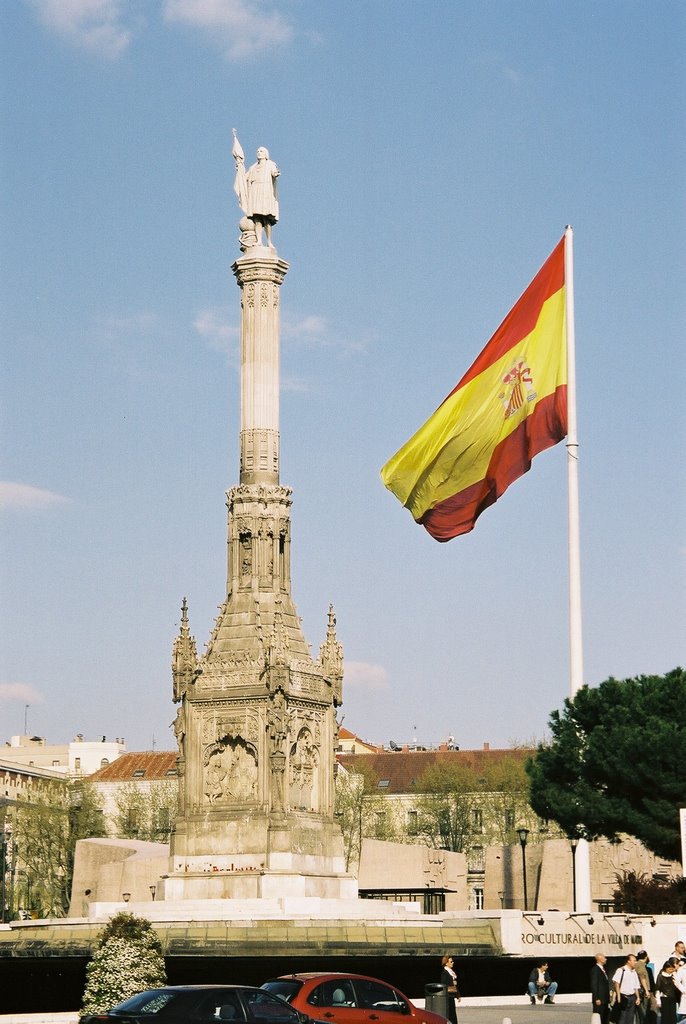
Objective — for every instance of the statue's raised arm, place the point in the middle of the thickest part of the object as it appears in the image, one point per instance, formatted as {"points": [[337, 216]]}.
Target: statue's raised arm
{"points": [[257, 194]]}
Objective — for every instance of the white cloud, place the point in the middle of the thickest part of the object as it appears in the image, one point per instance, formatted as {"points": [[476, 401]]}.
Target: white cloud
{"points": [[14, 495], [19, 692], [294, 384], [136, 323], [366, 675], [242, 28], [212, 325], [514, 76], [310, 328], [314, 331], [96, 25], [310, 331]]}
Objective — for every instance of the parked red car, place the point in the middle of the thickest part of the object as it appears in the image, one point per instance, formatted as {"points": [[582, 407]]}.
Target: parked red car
{"points": [[348, 999]]}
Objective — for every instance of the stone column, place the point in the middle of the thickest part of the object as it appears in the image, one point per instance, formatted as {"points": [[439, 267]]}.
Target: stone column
{"points": [[259, 277]]}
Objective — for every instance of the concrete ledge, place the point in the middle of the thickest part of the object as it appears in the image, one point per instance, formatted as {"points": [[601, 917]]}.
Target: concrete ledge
{"points": [[572, 999], [425, 935]]}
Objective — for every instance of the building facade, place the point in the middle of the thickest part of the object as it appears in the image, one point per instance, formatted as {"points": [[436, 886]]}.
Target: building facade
{"points": [[76, 759]]}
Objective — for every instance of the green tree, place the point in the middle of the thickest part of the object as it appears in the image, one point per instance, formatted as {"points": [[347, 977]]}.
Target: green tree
{"points": [[360, 811], [637, 893], [459, 804], [146, 813], [45, 832], [612, 765], [505, 786], [447, 803], [127, 960]]}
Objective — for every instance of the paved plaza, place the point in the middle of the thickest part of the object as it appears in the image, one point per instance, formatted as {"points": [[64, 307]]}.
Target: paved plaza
{"points": [[489, 1012], [521, 1013]]}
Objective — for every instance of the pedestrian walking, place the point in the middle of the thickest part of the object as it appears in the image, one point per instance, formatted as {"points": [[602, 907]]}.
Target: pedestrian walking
{"points": [[627, 986], [449, 978], [600, 989]]}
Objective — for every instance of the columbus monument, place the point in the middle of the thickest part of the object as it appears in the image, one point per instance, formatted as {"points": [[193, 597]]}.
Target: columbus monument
{"points": [[256, 723]]}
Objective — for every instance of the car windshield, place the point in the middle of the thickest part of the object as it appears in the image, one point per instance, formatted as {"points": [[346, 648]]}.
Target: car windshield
{"points": [[152, 1001], [287, 988]]}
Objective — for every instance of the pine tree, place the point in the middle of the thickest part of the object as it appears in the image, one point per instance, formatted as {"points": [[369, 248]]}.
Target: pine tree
{"points": [[612, 766]]}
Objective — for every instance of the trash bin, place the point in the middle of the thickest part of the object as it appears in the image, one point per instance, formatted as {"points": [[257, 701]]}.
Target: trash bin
{"points": [[436, 998]]}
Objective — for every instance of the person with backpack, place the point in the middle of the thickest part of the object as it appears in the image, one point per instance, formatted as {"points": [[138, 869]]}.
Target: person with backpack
{"points": [[627, 988]]}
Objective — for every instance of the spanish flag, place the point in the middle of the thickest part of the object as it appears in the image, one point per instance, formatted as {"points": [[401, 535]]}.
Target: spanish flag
{"points": [[510, 405]]}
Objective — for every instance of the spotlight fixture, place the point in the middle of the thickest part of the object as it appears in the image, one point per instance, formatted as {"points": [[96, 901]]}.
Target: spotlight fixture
{"points": [[627, 920], [126, 896], [153, 890], [540, 921], [591, 919], [653, 922]]}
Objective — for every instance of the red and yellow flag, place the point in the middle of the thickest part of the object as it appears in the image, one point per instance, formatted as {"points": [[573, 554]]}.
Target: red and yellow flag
{"points": [[510, 405]]}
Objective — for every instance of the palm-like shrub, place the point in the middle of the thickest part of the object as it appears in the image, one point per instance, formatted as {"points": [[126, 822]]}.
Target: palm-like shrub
{"points": [[128, 960]]}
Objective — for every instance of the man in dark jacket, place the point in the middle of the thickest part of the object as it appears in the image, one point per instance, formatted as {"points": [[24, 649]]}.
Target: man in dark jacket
{"points": [[600, 988], [541, 984]]}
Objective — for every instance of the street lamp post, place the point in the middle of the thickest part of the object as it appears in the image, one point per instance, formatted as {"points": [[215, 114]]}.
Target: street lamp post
{"points": [[574, 843], [3, 874], [523, 834]]}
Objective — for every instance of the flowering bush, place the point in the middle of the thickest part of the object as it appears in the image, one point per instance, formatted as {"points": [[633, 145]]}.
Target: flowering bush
{"points": [[128, 960]]}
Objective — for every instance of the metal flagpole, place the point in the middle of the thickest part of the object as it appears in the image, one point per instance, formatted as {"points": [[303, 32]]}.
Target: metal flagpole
{"points": [[582, 854], [576, 667]]}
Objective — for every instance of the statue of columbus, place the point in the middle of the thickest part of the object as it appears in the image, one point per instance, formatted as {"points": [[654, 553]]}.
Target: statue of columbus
{"points": [[257, 192]]}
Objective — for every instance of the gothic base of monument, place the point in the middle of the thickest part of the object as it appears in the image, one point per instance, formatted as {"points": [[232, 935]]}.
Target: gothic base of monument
{"points": [[273, 862], [241, 885], [278, 908]]}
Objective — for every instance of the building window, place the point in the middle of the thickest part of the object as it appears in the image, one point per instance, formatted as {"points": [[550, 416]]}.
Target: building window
{"points": [[412, 826], [55, 764], [139, 773], [380, 823], [77, 764], [475, 859], [477, 900], [510, 819], [163, 820], [104, 761], [477, 820], [383, 783], [132, 820]]}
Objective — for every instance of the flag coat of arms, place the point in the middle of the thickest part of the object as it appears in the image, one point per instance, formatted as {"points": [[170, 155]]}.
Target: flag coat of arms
{"points": [[510, 405]]}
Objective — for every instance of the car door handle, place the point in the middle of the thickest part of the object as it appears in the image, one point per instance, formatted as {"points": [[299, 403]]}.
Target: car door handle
{"points": [[373, 1016], [329, 1016]]}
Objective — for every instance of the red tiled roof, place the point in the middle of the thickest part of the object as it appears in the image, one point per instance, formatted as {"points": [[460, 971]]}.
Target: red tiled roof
{"points": [[403, 769], [154, 764]]}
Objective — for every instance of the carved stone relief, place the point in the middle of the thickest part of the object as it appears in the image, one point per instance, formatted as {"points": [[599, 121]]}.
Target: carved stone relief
{"points": [[304, 772], [307, 841], [179, 726], [236, 718], [230, 771]]}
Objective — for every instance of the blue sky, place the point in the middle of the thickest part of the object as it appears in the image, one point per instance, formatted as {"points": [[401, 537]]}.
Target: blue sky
{"points": [[431, 154]]}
